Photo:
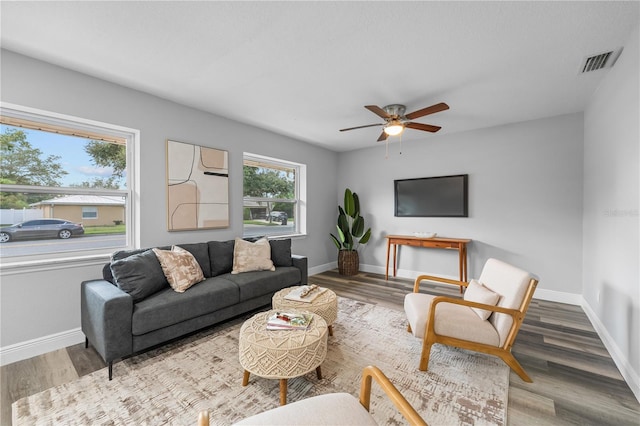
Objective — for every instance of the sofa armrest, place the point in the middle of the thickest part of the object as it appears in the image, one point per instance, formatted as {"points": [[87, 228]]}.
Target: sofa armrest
{"points": [[301, 263], [106, 313]]}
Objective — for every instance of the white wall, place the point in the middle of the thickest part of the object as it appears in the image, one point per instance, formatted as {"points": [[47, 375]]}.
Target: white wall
{"points": [[35, 305], [611, 220], [525, 200]]}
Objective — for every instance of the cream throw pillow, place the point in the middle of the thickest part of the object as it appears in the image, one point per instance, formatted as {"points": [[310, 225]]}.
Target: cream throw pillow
{"points": [[476, 292], [180, 267], [249, 256]]}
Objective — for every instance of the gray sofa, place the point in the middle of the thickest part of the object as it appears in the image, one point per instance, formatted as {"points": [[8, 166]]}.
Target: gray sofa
{"points": [[133, 308]]}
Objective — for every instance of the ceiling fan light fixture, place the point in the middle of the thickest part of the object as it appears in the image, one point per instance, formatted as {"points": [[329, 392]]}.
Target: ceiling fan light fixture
{"points": [[394, 128]]}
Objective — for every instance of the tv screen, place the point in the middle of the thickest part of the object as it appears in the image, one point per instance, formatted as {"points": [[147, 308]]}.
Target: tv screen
{"points": [[441, 196]]}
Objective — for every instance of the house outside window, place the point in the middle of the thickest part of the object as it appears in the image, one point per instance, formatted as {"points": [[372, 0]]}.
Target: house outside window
{"points": [[274, 197], [68, 168]]}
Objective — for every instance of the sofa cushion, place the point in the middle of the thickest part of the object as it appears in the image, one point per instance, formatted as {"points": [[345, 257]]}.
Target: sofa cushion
{"points": [[258, 283], [167, 307], [123, 254], [201, 252], [281, 252], [248, 256], [140, 275], [221, 256], [180, 268]]}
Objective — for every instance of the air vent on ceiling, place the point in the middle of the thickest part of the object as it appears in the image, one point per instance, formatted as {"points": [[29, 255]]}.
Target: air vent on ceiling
{"points": [[599, 61]]}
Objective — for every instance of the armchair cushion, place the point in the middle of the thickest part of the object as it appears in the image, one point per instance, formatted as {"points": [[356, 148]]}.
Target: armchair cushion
{"points": [[451, 320], [511, 284], [476, 292], [329, 409]]}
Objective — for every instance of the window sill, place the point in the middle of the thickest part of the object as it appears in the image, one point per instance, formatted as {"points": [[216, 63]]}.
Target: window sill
{"points": [[20, 267]]}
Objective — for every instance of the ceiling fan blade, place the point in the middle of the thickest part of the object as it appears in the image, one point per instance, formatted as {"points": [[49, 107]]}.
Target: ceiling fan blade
{"points": [[362, 127], [425, 127], [383, 136], [428, 110], [377, 110]]}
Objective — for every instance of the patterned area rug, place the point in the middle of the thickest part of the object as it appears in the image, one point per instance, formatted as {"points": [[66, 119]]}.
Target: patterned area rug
{"points": [[170, 385]]}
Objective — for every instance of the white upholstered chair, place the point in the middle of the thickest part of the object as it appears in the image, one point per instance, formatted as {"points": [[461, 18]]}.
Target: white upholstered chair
{"points": [[487, 319], [333, 408]]}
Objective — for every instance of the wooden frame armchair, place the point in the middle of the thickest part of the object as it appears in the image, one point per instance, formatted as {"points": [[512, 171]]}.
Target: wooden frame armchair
{"points": [[334, 408], [487, 320]]}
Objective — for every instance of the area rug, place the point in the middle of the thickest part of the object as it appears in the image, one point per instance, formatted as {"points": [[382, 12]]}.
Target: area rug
{"points": [[172, 384]]}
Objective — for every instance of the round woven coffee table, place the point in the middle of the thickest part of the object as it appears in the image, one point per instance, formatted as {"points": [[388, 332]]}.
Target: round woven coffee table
{"points": [[281, 354], [325, 305]]}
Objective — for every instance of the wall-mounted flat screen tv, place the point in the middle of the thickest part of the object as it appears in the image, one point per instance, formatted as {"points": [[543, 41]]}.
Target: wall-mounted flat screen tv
{"points": [[440, 196]]}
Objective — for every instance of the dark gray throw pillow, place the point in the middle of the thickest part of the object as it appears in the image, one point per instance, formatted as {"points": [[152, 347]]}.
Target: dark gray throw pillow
{"points": [[281, 252], [201, 252], [221, 256], [140, 275]]}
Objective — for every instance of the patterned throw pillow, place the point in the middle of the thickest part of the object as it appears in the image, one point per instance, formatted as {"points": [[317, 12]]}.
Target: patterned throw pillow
{"points": [[476, 292], [180, 267], [249, 256]]}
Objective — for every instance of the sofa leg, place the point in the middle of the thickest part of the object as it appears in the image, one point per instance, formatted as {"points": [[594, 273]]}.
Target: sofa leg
{"points": [[110, 370], [86, 342]]}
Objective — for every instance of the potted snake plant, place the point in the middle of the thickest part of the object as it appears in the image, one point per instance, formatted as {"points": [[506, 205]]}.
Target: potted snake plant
{"points": [[351, 233]]}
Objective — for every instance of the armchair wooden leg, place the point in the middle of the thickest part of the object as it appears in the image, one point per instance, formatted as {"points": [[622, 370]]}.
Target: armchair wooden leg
{"points": [[510, 360], [424, 356], [409, 328]]}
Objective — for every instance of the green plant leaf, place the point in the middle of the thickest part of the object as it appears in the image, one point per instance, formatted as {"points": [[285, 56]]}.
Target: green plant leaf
{"points": [[340, 234], [349, 204], [356, 205], [343, 224], [365, 237], [336, 241], [358, 227]]}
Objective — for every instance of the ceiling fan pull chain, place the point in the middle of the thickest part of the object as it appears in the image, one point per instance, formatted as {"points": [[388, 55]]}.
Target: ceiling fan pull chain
{"points": [[400, 143], [386, 149]]}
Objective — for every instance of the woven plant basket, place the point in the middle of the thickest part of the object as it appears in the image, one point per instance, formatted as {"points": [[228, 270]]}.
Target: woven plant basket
{"points": [[348, 262]]}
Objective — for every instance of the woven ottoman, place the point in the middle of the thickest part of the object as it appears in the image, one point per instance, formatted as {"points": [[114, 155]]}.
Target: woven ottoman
{"points": [[281, 354], [325, 305]]}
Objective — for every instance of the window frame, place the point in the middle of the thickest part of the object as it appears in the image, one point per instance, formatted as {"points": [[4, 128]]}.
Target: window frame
{"points": [[37, 119], [300, 196], [90, 209]]}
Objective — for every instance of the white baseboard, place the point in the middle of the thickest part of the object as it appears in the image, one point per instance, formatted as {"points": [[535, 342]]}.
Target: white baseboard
{"points": [[42, 345], [630, 376], [542, 294], [322, 268]]}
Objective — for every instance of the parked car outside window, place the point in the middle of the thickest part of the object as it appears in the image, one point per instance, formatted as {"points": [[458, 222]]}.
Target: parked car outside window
{"points": [[41, 228], [279, 217]]}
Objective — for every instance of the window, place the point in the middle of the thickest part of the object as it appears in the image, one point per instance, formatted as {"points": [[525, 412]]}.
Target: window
{"points": [[274, 197], [89, 212], [65, 182]]}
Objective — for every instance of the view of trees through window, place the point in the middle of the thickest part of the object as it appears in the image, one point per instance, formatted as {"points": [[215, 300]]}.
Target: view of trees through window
{"points": [[78, 181], [270, 197]]}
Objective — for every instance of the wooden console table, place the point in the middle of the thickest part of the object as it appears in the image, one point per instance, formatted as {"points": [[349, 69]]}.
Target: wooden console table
{"points": [[443, 243]]}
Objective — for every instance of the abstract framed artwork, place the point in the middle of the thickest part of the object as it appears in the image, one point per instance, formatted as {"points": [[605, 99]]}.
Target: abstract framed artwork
{"points": [[197, 187]]}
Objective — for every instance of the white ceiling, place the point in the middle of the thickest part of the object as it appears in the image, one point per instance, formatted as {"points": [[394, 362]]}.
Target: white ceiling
{"points": [[306, 69]]}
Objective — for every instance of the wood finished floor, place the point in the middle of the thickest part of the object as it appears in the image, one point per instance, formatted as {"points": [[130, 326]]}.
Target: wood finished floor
{"points": [[575, 381]]}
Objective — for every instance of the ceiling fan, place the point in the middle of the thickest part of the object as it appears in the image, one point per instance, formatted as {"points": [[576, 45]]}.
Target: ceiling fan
{"points": [[395, 120]]}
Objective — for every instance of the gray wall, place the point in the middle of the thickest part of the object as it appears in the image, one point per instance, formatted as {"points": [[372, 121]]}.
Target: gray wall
{"points": [[54, 293], [611, 221], [525, 199]]}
